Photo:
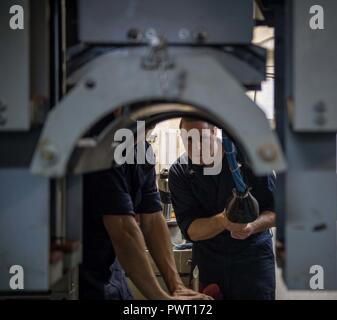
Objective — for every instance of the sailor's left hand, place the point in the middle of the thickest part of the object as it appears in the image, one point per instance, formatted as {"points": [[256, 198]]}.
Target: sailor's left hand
{"points": [[244, 233]]}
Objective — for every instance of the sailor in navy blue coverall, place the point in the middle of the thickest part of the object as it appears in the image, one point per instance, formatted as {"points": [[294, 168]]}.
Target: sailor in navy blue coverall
{"points": [[112, 198], [239, 259], [125, 190]]}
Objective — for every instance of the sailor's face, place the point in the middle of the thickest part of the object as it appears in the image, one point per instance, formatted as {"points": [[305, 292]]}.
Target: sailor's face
{"points": [[199, 139]]}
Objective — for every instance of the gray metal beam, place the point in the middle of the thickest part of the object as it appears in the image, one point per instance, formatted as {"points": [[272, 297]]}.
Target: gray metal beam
{"points": [[311, 202], [113, 82], [24, 228], [183, 22], [314, 107], [15, 113], [307, 192]]}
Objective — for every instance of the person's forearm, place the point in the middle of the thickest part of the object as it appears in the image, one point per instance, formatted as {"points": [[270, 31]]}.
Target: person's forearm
{"points": [[265, 220], [129, 246], [158, 242], [206, 228]]}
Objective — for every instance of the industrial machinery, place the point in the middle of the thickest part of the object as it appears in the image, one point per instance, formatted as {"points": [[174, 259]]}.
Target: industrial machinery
{"points": [[242, 207], [165, 195], [75, 62]]}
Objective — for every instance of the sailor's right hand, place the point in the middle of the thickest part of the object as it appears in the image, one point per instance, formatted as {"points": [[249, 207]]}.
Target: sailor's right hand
{"points": [[231, 226]]}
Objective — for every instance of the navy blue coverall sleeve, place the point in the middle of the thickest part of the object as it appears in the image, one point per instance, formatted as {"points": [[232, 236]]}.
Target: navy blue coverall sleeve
{"points": [[150, 198], [110, 192], [114, 197], [263, 189], [186, 205]]}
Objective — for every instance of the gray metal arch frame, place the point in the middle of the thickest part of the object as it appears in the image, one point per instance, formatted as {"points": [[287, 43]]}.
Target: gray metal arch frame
{"points": [[116, 81]]}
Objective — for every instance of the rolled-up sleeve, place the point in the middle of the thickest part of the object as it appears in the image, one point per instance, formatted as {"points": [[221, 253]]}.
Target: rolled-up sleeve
{"points": [[263, 189], [109, 192], [182, 200], [150, 198]]}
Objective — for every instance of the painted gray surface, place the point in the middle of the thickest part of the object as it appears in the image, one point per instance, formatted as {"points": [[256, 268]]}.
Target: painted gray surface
{"points": [[14, 69], [307, 192], [311, 202], [224, 21], [314, 68], [305, 246], [246, 73], [24, 228], [74, 210]]}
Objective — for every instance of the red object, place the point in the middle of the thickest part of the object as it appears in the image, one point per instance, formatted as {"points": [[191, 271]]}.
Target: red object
{"points": [[67, 246], [213, 290]]}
